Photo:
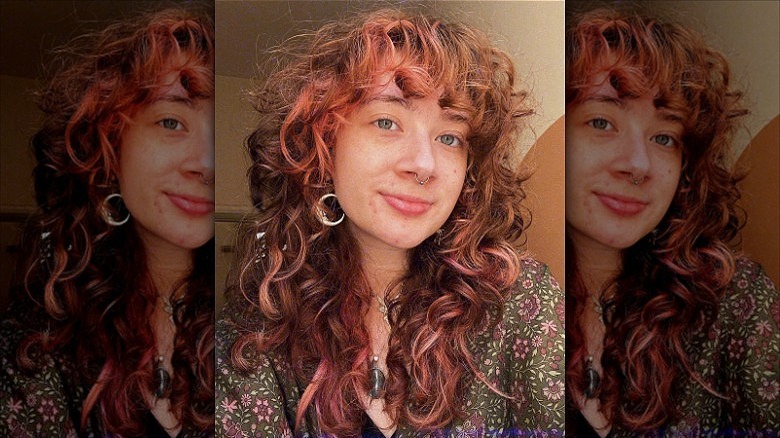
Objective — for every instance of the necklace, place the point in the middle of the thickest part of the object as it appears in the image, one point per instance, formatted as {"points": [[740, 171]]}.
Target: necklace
{"points": [[383, 309], [377, 377], [162, 379], [598, 308], [592, 379]]}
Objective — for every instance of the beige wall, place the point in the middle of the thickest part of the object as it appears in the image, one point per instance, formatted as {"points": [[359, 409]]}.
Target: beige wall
{"points": [[19, 120]]}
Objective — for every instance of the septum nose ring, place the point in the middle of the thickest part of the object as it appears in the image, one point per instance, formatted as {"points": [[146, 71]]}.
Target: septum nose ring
{"points": [[422, 183], [634, 180]]}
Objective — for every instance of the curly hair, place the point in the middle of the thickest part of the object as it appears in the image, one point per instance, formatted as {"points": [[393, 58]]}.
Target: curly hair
{"points": [[89, 281], [672, 280], [304, 279]]}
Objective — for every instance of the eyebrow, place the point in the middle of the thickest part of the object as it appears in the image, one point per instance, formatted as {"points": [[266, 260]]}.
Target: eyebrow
{"points": [[670, 116], [666, 113], [172, 98], [449, 113], [387, 98], [603, 98]]}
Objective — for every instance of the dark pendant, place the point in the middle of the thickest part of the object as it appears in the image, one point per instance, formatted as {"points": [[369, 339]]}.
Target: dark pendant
{"points": [[592, 379], [162, 380], [377, 379]]}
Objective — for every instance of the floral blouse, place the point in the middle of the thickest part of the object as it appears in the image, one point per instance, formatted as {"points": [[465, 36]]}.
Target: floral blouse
{"points": [[522, 356], [48, 401], [739, 357]]}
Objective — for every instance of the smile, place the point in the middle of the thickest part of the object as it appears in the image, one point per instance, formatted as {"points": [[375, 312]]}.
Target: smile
{"points": [[193, 206], [621, 205], [407, 205]]}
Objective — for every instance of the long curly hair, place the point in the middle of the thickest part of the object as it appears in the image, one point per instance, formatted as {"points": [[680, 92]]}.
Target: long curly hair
{"points": [[89, 281], [672, 280], [305, 280]]}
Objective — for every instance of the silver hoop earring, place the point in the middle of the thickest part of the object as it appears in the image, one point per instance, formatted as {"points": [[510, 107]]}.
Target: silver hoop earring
{"points": [[422, 183], [105, 211], [322, 216]]}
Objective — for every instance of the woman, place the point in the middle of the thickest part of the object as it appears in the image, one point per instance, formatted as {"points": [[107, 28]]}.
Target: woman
{"points": [[113, 331], [381, 292], [669, 332]]}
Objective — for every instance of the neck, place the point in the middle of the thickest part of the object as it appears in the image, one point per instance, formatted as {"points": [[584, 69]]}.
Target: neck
{"points": [[382, 266], [597, 264], [168, 264]]}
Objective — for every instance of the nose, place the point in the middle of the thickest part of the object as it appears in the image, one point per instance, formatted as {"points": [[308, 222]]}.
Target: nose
{"points": [[419, 160], [633, 160], [199, 162]]}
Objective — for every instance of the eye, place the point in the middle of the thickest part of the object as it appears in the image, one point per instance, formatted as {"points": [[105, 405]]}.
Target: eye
{"points": [[385, 124], [172, 124], [449, 140], [664, 140], [600, 124]]}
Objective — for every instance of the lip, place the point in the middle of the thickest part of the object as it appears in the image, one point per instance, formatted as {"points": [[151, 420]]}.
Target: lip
{"points": [[407, 205], [192, 205], [622, 205]]}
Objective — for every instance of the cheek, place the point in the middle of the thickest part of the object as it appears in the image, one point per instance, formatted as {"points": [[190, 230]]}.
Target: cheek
{"points": [[671, 176], [454, 177]]}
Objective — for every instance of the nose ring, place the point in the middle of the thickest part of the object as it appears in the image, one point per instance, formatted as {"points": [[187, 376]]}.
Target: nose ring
{"points": [[205, 181], [634, 180], [422, 183]]}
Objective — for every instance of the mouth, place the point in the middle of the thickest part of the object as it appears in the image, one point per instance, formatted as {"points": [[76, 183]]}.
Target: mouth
{"points": [[407, 205], [192, 205], [622, 205]]}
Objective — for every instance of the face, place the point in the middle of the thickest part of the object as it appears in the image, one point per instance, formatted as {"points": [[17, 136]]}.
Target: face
{"points": [[385, 148], [623, 160], [166, 169]]}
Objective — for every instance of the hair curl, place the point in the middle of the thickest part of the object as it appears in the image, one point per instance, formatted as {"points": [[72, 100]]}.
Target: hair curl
{"points": [[304, 278], [672, 280], [88, 280]]}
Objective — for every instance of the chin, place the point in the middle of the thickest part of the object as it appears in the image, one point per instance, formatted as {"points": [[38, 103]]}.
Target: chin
{"points": [[194, 241]]}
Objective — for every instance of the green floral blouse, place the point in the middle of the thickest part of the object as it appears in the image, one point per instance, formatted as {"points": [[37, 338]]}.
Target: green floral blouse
{"points": [[739, 357], [47, 402], [522, 356]]}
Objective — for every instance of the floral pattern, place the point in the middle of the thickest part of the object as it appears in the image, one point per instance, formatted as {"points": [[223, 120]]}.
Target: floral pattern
{"points": [[737, 356], [522, 356], [47, 402]]}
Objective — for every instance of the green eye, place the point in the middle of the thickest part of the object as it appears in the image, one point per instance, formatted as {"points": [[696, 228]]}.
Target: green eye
{"points": [[385, 124], [664, 140], [171, 124], [449, 140], [600, 124]]}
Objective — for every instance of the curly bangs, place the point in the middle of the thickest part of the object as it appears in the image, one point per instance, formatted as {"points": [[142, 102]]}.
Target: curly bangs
{"points": [[640, 56], [108, 76], [336, 70]]}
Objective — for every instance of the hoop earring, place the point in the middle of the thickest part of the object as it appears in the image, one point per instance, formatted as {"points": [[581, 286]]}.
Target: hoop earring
{"points": [[105, 211], [322, 216]]}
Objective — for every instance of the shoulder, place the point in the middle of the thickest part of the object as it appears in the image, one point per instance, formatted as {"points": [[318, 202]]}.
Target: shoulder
{"points": [[751, 295], [35, 401], [535, 293], [533, 327], [254, 399], [748, 336]]}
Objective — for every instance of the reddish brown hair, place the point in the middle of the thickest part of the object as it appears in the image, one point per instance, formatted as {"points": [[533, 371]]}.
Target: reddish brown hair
{"points": [[672, 280], [88, 279], [303, 277]]}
